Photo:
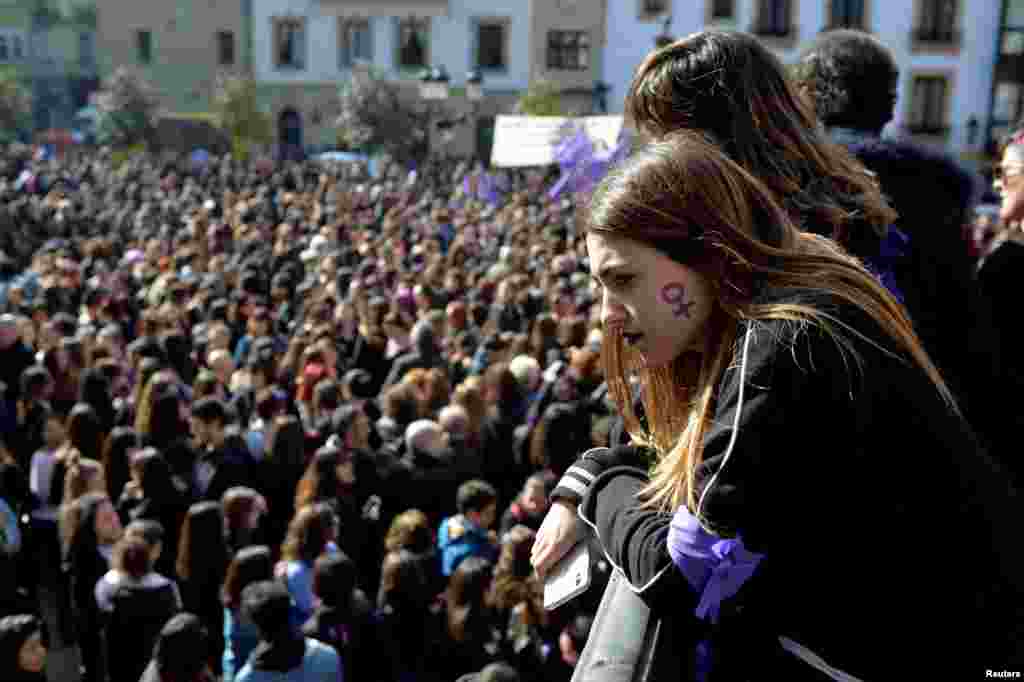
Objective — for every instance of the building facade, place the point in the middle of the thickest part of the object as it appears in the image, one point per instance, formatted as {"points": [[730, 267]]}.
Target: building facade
{"points": [[1007, 97], [304, 50], [180, 47], [50, 46], [946, 49]]}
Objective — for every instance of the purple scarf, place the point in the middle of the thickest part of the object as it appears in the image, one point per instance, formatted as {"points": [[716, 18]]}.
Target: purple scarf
{"points": [[716, 568]]}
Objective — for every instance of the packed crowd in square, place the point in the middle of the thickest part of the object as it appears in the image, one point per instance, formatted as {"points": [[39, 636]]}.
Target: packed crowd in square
{"points": [[263, 417]]}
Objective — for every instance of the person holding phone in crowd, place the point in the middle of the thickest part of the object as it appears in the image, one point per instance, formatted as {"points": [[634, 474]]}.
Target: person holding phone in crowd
{"points": [[774, 498]]}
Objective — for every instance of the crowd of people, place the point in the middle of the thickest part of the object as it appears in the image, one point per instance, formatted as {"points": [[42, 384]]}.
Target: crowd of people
{"points": [[361, 387], [265, 420]]}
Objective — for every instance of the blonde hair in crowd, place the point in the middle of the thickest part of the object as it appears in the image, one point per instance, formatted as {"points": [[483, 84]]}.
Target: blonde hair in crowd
{"points": [[684, 196]]}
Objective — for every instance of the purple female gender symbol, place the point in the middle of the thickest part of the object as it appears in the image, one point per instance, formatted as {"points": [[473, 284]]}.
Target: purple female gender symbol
{"points": [[674, 294]]}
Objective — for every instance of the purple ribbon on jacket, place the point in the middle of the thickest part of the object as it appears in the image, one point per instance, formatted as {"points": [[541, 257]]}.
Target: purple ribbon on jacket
{"points": [[715, 567]]}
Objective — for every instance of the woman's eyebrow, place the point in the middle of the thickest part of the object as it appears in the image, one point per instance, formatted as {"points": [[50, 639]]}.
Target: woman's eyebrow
{"points": [[607, 269]]}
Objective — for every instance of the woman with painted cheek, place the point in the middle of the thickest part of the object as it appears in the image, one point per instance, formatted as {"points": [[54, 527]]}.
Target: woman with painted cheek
{"points": [[771, 366]]}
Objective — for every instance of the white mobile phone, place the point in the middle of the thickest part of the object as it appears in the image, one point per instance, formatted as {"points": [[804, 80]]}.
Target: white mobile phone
{"points": [[569, 578]]}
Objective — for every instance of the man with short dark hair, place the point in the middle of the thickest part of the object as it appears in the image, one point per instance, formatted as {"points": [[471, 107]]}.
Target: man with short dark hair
{"points": [[218, 466], [283, 654], [468, 532]]}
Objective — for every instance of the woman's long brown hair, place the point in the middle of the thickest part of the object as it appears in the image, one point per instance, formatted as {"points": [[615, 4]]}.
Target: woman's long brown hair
{"points": [[685, 197], [731, 87]]}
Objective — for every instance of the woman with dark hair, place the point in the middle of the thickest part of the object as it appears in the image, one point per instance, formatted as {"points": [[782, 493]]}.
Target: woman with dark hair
{"points": [[731, 87], [508, 412], [152, 495], [168, 433], [178, 352], [85, 432], [244, 511], [344, 618], [201, 564], [331, 478], [281, 468], [561, 434], [77, 467], [90, 527], [754, 342], [94, 391], [63, 395], [517, 596], [251, 564], [23, 648], [472, 630], [135, 601], [405, 615], [181, 652], [121, 444], [311, 533], [544, 345]]}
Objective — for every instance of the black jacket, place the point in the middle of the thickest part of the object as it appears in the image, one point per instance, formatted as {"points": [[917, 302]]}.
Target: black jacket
{"points": [[352, 633], [888, 533], [955, 321], [133, 626]]}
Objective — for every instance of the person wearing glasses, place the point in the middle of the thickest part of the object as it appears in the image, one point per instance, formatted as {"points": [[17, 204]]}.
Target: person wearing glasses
{"points": [[999, 271]]}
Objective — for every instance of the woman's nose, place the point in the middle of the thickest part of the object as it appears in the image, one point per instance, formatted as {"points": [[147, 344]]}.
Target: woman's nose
{"points": [[613, 313]]}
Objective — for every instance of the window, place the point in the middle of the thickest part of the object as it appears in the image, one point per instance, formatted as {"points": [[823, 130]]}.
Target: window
{"points": [[413, 43], [773, 18], [491, 45], [4, 52], [936, 21], [847, 14], [722, 9], [290, 44], [1013, 43], [87, 48], [1014, 13], [354, 44], [17, 48], [928, 105], [1007, 102], [226, 48], [652, 8], [144, 46], [568, 50]]}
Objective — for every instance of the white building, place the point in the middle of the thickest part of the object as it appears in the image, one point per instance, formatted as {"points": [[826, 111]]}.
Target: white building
{"points": [[946, 49], [303, 50]]}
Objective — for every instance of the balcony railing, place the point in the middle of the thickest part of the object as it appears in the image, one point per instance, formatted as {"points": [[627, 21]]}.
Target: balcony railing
{"points": [[935, 36], [768, 30], [930, 129]]}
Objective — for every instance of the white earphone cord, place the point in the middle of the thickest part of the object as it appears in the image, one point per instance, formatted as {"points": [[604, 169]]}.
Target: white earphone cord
{"points": [[735, 423]]}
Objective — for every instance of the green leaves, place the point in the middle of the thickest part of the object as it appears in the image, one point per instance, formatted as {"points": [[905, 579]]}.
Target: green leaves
{"points": [[15, 107], [239, 115], [376, 115], [128, 109], [542, 98]]}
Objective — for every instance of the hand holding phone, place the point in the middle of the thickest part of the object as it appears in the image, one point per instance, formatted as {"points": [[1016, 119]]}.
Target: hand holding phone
{"points": [[569, 578]]}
